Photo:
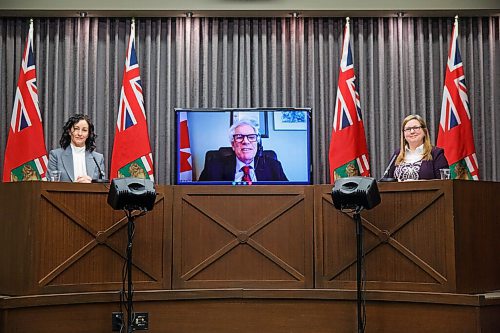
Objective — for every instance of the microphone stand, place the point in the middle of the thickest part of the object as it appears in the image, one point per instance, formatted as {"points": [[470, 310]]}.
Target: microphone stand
{"points": [[101, 178], [386, 172]]}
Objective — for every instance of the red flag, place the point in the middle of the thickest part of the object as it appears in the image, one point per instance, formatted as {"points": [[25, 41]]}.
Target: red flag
{"points": [[25, 153], [455, 127], [185, 158], [348, 150], [131, 149]]}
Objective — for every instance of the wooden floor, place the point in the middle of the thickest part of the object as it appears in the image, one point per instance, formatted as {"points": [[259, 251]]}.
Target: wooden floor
{"points": [[243, 310]]}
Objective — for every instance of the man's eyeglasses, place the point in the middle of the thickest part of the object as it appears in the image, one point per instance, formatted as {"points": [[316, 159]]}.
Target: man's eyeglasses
{"points": [[241, 137], [414, 128]]}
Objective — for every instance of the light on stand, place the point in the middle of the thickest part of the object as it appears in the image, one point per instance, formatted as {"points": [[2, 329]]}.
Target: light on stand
{"points": [[131, 194], [354, 194]]}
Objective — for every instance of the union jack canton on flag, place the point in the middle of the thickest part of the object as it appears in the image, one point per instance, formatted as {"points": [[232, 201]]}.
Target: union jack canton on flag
{"points": [[348, 150]]}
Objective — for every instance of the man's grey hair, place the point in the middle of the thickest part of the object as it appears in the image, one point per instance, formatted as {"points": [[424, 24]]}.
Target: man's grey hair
{"points": [[239, 123]]}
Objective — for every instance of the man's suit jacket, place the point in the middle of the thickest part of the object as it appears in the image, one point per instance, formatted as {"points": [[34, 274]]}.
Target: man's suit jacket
{"points": [[223, 169], [428, 169], [62, 160]]}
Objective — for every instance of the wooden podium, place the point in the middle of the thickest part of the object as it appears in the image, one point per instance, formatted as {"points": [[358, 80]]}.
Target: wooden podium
{"points": [[251, 258]]}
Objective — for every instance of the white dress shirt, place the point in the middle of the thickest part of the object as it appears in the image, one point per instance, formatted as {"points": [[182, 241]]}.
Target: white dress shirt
{"points": [[412, 156], [79, 165], [238, 175]]}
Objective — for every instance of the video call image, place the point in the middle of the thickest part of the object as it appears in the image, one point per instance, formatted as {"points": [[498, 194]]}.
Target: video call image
{"points": [[214, 146]]}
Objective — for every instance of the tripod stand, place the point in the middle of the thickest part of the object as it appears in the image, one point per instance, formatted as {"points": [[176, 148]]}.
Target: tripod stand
{"points": [[130, 195], [353, 194], [130, 292], [359, 270]]}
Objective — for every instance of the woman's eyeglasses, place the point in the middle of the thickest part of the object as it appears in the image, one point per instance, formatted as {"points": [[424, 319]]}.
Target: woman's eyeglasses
{"points": [[414, 128]]}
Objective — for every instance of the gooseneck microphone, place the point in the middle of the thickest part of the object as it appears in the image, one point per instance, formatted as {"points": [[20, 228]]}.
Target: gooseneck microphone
{"points": [[101, 178], [386, 172], [260, 154]]}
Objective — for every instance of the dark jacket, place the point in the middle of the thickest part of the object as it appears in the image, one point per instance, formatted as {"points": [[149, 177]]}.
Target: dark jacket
{"points": [[223, 169], [428, 169]]}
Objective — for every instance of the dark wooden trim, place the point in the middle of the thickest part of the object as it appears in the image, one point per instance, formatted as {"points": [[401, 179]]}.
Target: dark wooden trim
{"points": [[244, 310]]}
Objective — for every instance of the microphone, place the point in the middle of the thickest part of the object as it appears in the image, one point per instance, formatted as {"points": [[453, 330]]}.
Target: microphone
{"points": [[386, 172], [260, 149], [101, 178], [260, 153]]}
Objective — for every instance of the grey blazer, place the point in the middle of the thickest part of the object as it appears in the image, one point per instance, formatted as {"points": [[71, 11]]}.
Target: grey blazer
{"points": [[62, 160]]}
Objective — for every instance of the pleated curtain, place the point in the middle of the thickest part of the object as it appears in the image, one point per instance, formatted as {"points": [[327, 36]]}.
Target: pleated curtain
{"points": [[256, 62]]}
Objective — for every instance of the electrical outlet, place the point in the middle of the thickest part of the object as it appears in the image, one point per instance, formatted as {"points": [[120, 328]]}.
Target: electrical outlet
{"points": [[116, 321], [141, 321]]}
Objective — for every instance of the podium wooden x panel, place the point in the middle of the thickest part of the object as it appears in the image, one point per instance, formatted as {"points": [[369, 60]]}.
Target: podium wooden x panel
{"points": [[242, 237], [85, 241], [407, 242]]}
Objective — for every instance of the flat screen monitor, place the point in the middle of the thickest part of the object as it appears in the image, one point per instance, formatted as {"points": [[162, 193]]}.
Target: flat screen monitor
{"points": [[207, 153]]}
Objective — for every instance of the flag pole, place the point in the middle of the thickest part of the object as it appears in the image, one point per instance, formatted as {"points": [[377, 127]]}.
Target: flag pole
{"points": [[130, 237], [30, 30]]}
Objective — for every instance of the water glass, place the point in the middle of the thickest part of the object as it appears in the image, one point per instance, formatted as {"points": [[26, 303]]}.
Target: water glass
{"points": [[55, 176], [445, 173]]}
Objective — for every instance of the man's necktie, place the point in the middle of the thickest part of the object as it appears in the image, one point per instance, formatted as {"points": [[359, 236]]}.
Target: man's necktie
{"points": [[246, 174]]}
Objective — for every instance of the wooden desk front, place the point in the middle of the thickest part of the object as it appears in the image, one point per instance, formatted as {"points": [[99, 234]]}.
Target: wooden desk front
{"points": [[438, 236]]}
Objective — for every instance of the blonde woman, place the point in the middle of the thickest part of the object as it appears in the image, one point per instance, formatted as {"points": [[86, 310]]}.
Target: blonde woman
{"points": [[416, 158]]}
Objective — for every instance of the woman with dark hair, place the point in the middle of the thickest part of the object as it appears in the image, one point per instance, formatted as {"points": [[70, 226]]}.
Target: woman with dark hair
{"points": [[416, 157], [76, 159]]}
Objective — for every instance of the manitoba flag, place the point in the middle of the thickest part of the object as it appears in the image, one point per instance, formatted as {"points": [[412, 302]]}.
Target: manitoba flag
{"points": [[455, 127], [25, 153], [348, 150], [185, 157], [131, 155]]}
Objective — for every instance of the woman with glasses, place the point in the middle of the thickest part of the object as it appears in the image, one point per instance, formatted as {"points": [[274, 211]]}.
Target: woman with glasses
{"points": [[76, 159], [416, 158]]}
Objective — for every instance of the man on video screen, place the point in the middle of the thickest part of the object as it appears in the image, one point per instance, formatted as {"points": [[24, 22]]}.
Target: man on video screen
{"points": [[247, 162]]}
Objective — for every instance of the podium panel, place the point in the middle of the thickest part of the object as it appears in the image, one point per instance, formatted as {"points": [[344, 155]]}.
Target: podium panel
{"points": [[246, 236], [63, 237], [433, 236]]}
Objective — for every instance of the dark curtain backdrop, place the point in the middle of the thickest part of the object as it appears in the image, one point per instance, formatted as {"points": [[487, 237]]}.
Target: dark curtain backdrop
{"points": [[256, 62]]}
